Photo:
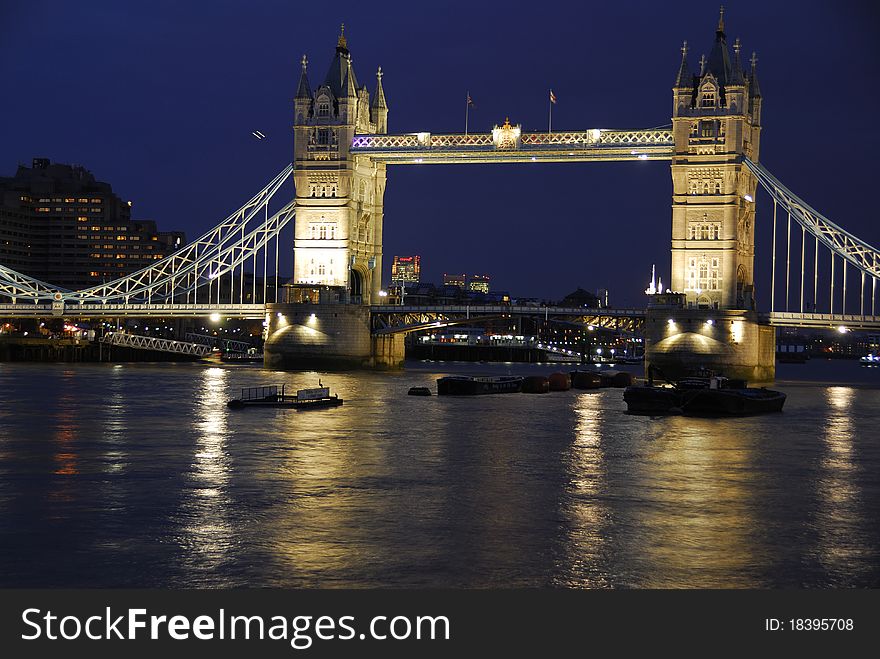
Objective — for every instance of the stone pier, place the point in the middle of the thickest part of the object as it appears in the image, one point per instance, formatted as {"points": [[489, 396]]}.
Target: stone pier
{"points": [[327, 337], [729, 342]]}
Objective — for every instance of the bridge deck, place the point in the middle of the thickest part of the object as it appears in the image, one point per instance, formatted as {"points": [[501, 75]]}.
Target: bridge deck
{"points": [[249, 311], [566, 146], [821, 320]]}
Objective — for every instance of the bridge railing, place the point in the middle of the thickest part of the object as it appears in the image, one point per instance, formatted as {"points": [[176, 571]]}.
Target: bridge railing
{"points": [[592, 138]]}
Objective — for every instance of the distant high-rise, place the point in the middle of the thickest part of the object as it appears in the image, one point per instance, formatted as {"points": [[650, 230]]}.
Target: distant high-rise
{"points": [[454, 280], [479, 283], [406, 269], [60, 225]]}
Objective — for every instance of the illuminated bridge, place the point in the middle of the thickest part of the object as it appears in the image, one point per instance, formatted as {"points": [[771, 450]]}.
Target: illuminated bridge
{"points": [[822, 275]]}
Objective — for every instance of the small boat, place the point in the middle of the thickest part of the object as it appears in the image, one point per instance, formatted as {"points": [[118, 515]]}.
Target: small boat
{"points": [[648, 399], [586, 380], [731, 402], [462, 385], [870, 360], [619, 379], [559, 381], [419, 391], [270, 396], [535, 384], [715, 396]]}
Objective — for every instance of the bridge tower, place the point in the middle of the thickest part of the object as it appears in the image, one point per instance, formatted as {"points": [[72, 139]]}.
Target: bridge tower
{"points": [[716, 120], [710, 319], [339, 196], [338, 231]]}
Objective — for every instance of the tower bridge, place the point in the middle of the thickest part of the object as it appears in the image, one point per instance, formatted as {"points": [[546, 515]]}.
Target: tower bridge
{"points": [[821, 275]]}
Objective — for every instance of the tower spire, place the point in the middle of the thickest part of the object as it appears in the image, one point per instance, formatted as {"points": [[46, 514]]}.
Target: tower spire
{"points": [[683, 77], [342, 42], [720, 28], [755, 89], [379, 98], [737, 77], [303, 90], [350, 84]]}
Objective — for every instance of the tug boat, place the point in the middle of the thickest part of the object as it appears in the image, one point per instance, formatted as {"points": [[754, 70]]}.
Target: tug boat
{"points": [[270, 396], [731, 402], [461, 385], [714, 396]]}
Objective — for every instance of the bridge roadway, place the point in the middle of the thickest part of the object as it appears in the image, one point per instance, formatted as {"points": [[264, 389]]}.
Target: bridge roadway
{"points": [[244, 311], [389, 319], [508, 144], [392, 319]]}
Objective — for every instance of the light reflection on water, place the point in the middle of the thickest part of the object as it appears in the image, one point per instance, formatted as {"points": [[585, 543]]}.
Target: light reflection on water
{"points": [[141, 476]]}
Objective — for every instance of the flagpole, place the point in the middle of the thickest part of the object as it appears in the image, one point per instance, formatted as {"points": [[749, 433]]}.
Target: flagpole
{"points": [[550, 121], [467, 108]]}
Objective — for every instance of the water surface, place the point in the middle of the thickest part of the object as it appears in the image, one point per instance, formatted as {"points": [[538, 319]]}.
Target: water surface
{"points": [[138, 475]]}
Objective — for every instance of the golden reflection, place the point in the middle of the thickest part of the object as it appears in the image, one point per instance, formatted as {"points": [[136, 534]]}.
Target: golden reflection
{"points": [[325, 458], [840, 515], [206, 503], [67, 425], [696, 515], [585, 502]]}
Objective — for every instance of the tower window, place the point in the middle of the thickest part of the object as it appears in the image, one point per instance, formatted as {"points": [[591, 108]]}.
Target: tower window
{"points": [[323, 107], [707, 99]]}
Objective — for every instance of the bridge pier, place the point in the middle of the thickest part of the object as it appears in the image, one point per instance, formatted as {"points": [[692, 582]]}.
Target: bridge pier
{"points": [[327, 337], [730, 342]]}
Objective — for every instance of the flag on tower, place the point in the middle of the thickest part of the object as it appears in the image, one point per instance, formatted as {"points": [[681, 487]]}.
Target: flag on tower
{"points": [[470, 101], [552, 97]]}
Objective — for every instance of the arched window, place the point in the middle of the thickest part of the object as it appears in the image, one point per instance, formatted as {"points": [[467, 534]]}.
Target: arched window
{"points": [[323, 106], [707, 97]]}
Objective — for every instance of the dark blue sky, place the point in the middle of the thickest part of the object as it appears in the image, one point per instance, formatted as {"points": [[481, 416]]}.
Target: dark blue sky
{"points": [[160, 97]]}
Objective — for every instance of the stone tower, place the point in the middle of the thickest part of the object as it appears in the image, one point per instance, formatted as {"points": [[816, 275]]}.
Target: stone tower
{"points": [[339, 196], [716, 120]]}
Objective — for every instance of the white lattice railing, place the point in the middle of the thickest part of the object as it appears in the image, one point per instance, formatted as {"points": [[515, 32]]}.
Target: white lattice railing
{"points": [[152, 343], [592, 137]]}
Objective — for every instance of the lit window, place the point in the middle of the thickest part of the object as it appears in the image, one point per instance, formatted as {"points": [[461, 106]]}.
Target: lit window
{"points": [[323, 107]]}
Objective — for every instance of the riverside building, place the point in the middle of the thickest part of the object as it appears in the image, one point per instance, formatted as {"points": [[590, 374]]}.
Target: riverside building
{"points": [[62, 226]]}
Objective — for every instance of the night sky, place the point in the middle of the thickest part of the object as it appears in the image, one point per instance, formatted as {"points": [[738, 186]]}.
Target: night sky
{"points": [[159, 98]]}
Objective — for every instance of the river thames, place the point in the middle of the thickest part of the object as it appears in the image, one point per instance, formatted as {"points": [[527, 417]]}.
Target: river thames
{"points": [[138, 475]]}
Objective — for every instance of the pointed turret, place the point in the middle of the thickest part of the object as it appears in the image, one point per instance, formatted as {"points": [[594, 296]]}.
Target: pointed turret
{"points": [[338, 73], [754, 88], [350, 84], [303, 90], [719, 58], [736, 77], [684, 77], [379, 108], [302, 102], [379, 98]]}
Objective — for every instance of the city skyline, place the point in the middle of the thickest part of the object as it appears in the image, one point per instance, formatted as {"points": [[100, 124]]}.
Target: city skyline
{"points": [[186, 122]]}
